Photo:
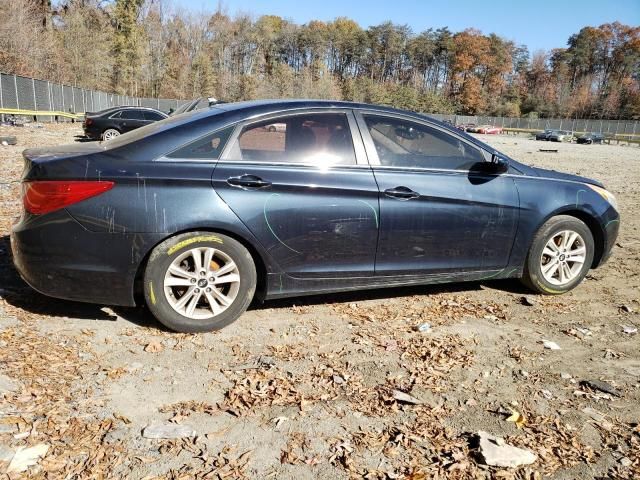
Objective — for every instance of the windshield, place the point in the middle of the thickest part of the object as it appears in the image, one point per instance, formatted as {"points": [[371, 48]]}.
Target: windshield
{"points": [[182, 108]]}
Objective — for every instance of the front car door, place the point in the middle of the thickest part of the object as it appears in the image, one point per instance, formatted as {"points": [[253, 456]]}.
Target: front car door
{"points": [[301, 184], [441, 211]]}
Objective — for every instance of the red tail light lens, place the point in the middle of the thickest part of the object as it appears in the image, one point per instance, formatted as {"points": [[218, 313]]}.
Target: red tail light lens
{"points": [[48, 195], [88, 121]]}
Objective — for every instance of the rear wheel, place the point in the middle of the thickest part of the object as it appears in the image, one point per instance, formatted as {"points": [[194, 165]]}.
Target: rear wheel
{"points": [[199, 281], [560, 256], [110, 133]]}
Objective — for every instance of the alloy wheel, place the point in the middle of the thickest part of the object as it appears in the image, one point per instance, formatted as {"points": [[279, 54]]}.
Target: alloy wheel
{"points": [[563, 257], [110, 134], [201, 283]]}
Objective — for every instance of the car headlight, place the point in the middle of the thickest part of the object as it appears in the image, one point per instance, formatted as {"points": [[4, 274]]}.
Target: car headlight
{"points": [[606, 194]]}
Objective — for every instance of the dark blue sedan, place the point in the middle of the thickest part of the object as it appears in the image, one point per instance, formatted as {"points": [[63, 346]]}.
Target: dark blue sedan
{"points": [[198, 214]]}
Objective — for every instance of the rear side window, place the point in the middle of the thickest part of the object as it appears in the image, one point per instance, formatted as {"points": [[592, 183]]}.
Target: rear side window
{"points": [[321, 139], [132, 115], [208, 147], [402, 143], [116, 115], [149, 115]]}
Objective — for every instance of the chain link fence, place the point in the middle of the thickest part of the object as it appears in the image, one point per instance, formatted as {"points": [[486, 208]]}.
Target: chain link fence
{"points": [[42, 97], [607, 127]]}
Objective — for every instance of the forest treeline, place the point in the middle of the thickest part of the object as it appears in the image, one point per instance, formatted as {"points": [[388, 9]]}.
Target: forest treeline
{"points": [[150, 49]]}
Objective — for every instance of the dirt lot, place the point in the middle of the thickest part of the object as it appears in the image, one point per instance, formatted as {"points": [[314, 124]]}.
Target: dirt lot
{"points": [[304, 388]]}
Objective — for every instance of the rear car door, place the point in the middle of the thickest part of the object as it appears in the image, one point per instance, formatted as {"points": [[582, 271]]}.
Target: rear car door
{"points": [[130, 119], [301, 183], [441, 211]]}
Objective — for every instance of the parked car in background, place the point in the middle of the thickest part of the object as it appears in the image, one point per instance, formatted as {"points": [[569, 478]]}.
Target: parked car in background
{"points": [[545, 134], [561, 136], [196, 104], [110, 123], [488, 130], [465, 126], [590, 138], [276, 127], [350, 196]]}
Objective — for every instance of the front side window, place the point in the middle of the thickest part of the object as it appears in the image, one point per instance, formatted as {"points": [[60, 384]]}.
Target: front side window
{"points": [[402, 143], [208, 147], [321, 139]]}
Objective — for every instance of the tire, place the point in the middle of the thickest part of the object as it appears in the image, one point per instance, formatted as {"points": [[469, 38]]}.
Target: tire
{"points": [[164, 289], [542, 255], [110, 133]]}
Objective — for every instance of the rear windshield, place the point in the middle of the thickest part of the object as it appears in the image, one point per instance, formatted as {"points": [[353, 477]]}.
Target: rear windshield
{"points": [[152, 128]]}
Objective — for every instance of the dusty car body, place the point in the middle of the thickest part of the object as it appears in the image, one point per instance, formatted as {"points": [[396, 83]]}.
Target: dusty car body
{"points": [[198, 214]]}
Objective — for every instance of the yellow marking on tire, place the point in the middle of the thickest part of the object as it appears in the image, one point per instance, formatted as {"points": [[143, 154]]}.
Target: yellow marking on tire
{"points": [[547, 289], [189, 241], [152, 295]]}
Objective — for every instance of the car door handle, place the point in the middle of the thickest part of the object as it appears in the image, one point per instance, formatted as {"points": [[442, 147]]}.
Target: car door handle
{"points": [[401, 193], [248, 182]]}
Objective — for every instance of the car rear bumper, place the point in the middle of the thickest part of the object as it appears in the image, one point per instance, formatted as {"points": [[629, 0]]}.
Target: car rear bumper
{"points": [[91, 133], [58, 257]]}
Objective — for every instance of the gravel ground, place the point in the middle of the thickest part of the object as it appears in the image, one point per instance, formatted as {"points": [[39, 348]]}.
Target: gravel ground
{"points": [[307, 388]]}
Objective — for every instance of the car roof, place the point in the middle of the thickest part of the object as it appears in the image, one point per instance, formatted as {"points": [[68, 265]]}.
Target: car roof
{"points": [[131, 107], [285, 104]]}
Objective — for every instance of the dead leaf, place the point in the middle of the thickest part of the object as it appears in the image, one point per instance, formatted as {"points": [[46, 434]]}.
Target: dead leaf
{"points": [[154, 347]]}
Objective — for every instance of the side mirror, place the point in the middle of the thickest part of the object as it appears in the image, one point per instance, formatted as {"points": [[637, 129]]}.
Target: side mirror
{"points": [[499, 164]]}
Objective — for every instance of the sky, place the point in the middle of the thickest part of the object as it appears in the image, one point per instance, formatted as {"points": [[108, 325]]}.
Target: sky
{"points": [[540, 24]]}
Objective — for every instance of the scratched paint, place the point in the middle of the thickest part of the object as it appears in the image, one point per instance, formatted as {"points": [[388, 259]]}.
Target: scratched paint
{"points": [[493, 275], [189, 241], [578, 196], [375, 214], [266, 219], [611, 221]]}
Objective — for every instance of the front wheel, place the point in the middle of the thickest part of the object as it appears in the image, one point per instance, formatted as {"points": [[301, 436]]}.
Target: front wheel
{"points": [[560, 256], [199, 281]]}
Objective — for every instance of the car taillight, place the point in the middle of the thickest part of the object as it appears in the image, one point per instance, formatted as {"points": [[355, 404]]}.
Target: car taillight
{"points": [[88, 121], [48, 195]]}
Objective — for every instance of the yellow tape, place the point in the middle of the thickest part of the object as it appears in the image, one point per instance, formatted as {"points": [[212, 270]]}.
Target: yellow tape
{"points": [[189, 241], [152, 295], [33, 113]]}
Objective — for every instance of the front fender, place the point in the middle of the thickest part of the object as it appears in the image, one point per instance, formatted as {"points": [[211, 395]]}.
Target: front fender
{"points": [[542, 199]]}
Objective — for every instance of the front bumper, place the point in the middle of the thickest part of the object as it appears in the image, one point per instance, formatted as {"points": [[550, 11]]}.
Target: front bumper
{"points": [[58, 257], [611, 229]]}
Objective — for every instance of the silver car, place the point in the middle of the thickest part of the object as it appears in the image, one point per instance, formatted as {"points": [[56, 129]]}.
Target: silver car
{"points": [[561, 136]]}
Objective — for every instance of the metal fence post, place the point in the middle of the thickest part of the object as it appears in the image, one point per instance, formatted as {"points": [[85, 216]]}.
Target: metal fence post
{"points": [[15, 86], [35, 102], [49, 95]]}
